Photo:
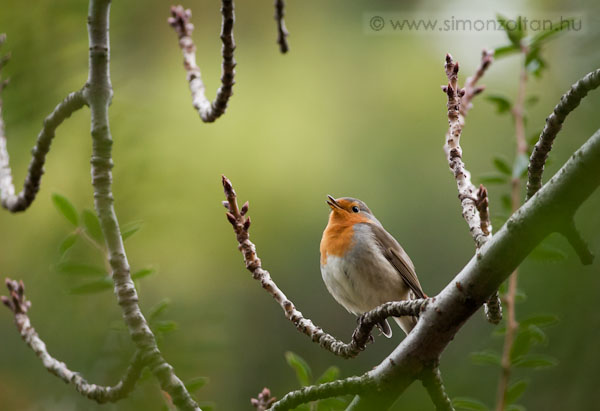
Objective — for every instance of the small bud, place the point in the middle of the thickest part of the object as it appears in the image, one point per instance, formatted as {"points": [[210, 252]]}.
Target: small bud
{"points": [[231, 218], [225, 204], [461, 92], [6, 301], [448, 58], [445, 89], [244, 209], [455, 70], [478, 90], [247, 224]]}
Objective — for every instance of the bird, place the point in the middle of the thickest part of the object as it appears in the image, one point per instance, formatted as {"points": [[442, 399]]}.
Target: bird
{"points": [[362, 265]]}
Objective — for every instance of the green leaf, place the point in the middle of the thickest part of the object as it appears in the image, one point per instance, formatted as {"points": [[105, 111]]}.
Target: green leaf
{"points": [[67, 243], [536, 361], [520, 166], [331, 374], [541, 320], [144, 272], [164, 326], [486, 357], [532, 101], [65, 207], [557, 27], [130, 229], [72, 268], [158, 309], [493, 179], [515, 407], [303, 372], [514, 29], [504, 51], [502, 165], [196, 383], [520, 296], [96, 286], [515, 391], [547, 252], [470, 404], [92, 226], [503, 104]]}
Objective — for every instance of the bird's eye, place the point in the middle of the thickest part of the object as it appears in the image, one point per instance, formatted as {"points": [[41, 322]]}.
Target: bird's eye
{"points": [[355, 209]]}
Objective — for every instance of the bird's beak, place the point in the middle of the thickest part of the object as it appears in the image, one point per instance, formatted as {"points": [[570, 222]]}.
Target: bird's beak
{"points": [[332, 203]]}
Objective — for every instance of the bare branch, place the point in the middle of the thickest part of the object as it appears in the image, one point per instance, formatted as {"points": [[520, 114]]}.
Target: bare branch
{"points": [[568, 102], [20, 202], [432, 381], [362, 333], [19, 305], [577, 242], [475, 209], [98, 92], [352, 385], [180, 21], [466, 189], [282, 32]]}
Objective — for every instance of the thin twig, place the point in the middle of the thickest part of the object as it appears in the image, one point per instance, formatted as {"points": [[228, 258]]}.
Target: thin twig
{"points": [[568, 102], [180, 21], [432, 381], [19, 305], [282, 32], [352, 385], [362, 333], [20, 202], [512, 325], [475, 206]]}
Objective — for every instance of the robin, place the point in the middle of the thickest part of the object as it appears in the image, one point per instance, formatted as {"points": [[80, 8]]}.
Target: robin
{"points": [[362, 265]]}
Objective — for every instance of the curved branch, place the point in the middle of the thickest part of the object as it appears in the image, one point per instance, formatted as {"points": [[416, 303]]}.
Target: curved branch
{"points": [[568, 102], [352, 385], [282, 32], [180, 21], [362, 333], [432, 381], [20, 202], [98, 92], [19, 305], [545, 213]]}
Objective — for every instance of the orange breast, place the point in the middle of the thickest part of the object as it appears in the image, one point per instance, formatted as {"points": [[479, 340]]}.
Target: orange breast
{"points": [[338, 235]]}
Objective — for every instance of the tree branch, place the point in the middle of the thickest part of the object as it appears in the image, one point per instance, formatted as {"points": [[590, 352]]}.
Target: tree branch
{"points": [[19, 305], [282, 32], [352, 385], [568, 102], [180, 21], [98, 92], [527, 227], [362, 333], [474, 203], [20, 202], [432, 381]]}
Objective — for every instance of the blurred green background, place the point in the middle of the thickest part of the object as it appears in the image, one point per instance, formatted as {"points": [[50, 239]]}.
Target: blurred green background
{"points": [[346, 112]]}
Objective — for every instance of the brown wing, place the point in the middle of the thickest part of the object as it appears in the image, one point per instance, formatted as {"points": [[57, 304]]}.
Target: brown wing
{"points": [[394, 253]]}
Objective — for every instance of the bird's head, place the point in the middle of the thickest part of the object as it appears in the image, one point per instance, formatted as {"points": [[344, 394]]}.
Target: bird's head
{"points": [[349, 209]]}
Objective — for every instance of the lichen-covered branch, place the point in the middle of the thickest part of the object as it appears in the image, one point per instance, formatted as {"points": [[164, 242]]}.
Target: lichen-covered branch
{"points": [[98, 92], [432, 381], [19, 305], [352, 385], [180, 21], [362, 334], [568, 102], [20, 202], [282, 32]]}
